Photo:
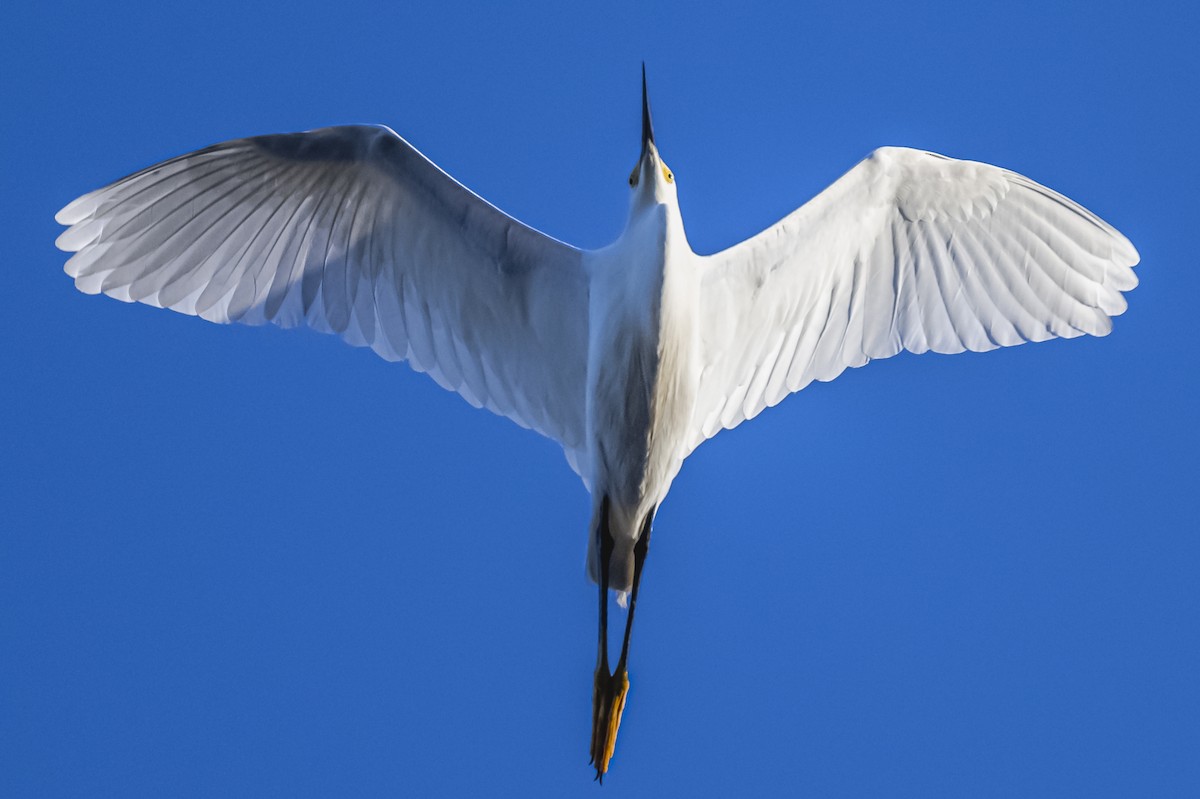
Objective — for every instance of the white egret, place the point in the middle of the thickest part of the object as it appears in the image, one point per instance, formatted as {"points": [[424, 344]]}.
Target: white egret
{"points": [[628, 356]]}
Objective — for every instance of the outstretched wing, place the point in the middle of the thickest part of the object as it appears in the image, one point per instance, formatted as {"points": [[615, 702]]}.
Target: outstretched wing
{"points": [[351, 230], [908, 251]]}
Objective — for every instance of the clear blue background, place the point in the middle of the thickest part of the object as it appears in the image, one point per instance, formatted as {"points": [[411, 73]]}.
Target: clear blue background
{"points": [[253, 562]]}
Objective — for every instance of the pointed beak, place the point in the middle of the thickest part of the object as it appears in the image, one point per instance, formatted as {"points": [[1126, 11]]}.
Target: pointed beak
{"points": [[647, 124]]}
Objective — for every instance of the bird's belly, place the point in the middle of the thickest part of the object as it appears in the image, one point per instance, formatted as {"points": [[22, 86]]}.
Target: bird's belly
{"points": [[641, 403]]}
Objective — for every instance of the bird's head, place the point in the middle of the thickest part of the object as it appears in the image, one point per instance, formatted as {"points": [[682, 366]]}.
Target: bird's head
{"points": [[651, 182]]}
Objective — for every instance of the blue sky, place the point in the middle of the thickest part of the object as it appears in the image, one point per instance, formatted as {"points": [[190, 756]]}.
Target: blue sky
{"points": [[252, 562]]}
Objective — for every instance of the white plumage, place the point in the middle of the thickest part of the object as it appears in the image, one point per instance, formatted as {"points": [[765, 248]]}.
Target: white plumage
{"points": [[351, 231], [909, 250], [628, 356]]}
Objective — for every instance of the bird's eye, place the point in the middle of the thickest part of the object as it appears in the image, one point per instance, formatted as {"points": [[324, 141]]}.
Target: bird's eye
{"points": [[667, 174], [633, 177]]}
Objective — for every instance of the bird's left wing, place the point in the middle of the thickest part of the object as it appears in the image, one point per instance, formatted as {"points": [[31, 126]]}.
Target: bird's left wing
{"points": [[351, 230], [908, 251]]}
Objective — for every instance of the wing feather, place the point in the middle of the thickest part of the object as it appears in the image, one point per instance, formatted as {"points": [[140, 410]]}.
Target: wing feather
{"points": [[908, 251], [350, 230]]}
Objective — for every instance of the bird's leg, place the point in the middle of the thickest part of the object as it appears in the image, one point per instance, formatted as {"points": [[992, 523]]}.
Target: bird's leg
{"points": [[640, 548], [602, 676], [607, 720]]}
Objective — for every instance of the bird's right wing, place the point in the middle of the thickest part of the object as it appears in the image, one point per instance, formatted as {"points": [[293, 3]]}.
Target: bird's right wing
{"points": [[909, 250], [351, 230]]}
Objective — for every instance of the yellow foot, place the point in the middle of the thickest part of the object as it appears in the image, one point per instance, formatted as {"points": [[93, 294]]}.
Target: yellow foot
{"points": [[608, 703]]}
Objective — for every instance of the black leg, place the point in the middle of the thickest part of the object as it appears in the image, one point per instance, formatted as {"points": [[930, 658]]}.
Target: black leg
{"points": [[639, 559], [611, 690], [605, 549], [602, 677]]}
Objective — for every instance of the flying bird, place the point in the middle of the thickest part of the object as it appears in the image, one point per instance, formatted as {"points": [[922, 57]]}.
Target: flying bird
{"points": [[628, 356]]}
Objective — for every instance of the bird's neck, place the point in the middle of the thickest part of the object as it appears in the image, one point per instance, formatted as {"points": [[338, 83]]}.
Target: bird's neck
{"points": [[657, 220]]}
